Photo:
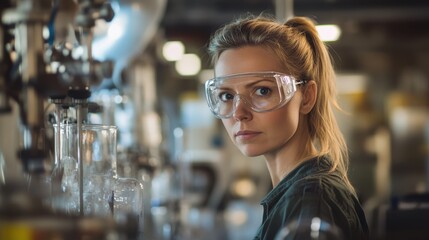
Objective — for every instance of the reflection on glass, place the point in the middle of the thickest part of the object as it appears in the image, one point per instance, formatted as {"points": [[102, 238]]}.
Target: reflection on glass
{"points": [[2, 169], [310, 229]]}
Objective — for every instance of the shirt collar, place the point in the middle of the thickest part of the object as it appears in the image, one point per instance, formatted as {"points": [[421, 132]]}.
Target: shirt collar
{"points": [[303, 170]]}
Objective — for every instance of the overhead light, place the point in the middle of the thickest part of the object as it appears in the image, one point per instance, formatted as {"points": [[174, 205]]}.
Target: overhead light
{"points": [[173, 50], [188, 65], [328, 33]]}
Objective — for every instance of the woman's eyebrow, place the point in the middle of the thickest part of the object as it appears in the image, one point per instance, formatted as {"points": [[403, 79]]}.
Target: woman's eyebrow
{"points": [[262, 80], [248, 85]]}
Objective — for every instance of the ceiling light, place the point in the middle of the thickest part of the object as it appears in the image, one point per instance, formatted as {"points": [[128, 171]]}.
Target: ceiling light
{"points": [[173, 50], [328, 33], [188, 65]]}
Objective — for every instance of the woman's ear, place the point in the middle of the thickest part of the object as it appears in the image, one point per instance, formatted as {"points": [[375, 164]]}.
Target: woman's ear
{"points": [[309, 96]]}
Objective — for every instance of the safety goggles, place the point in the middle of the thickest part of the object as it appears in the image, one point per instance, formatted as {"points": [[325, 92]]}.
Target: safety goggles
{"points": [[261, 91]]}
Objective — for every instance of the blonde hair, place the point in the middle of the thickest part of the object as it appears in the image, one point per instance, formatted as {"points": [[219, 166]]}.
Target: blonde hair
{"points": [[305, 56]]}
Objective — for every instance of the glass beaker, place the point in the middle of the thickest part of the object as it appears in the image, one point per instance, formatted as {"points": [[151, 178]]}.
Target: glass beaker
{"points": [[99, 150], [99, 168]]}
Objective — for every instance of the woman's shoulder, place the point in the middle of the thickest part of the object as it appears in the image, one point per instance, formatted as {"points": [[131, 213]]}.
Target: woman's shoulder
{"points": [[321, 184], [324, 196]]}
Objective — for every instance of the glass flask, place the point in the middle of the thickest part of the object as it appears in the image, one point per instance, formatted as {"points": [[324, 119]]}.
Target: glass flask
{"points": [[64, 177]]}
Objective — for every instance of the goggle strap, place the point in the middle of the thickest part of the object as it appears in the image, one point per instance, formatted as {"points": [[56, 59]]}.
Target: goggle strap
{"points": [[302, 82]]}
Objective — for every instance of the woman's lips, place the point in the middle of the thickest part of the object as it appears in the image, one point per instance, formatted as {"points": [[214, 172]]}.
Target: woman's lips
{"points": [[246, 135]]}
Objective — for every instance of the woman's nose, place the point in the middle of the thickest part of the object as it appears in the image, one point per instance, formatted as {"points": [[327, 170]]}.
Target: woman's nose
{"points": [[241, 109]]}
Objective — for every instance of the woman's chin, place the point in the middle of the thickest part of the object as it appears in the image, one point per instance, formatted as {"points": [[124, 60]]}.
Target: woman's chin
{"points": [[250, 152]]}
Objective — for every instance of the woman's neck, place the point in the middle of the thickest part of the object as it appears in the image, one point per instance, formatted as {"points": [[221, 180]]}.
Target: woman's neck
{"points": [[283, 160]]}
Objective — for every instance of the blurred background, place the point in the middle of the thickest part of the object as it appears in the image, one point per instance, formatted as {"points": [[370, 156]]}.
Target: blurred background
{"points": [[140, 65]]}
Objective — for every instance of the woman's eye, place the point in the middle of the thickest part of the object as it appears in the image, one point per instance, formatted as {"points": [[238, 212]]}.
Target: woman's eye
{"points": [[225, 96], [263, 91]]}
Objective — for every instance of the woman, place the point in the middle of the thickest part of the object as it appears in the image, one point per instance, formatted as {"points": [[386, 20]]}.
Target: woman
{"points": [[273, 90]]}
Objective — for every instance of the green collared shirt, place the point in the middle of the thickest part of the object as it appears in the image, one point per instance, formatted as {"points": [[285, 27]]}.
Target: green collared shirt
{"points": [[310, 193]]}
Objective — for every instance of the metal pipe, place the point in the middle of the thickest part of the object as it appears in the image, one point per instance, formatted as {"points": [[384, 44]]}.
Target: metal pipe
{"points": [[79, 155], [284, 9]]}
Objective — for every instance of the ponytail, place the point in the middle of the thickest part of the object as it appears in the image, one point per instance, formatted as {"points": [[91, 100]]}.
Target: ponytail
{"points": [[317, 64]]}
